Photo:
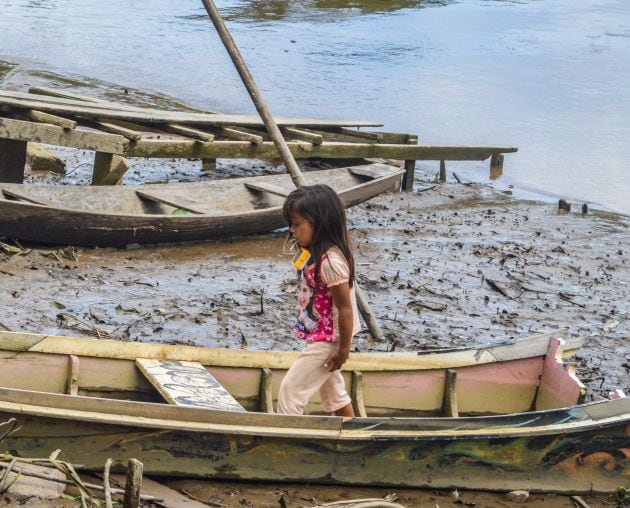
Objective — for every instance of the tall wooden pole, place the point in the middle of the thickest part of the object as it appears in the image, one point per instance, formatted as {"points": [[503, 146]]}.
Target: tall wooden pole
{"points": [[276, 136]]}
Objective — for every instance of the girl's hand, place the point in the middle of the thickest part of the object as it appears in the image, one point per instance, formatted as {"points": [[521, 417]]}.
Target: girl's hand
{"points": [[337, 359]]}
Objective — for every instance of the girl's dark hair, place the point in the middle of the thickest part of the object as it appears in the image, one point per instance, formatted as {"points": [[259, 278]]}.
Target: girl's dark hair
{"points": [[323, 208]]}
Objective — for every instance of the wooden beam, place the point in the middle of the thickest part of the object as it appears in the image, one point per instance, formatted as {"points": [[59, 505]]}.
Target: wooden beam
{"points": [[449, 406], [496, 166], [442, 175], [410, 173], [72, 384], [311, 137], [117, 129], [187, 131], [12, 158], [356, 394], [108, 169], [265, 394], [267, 187], [328, 150], [239, 135], [100, 111], [40, 116], [20, 130], [374, 136]]}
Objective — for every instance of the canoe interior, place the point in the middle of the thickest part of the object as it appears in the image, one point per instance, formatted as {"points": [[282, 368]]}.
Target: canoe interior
{"points": [[485, 386], [218, 197]]}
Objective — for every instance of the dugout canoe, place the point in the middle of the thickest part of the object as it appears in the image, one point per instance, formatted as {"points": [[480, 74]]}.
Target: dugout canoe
{"points": [[156, 213], [517, 419]]}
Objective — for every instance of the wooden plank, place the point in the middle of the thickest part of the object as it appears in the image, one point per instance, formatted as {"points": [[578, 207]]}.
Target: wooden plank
{"points": [[356, 393], [100, 111], [72, 385], [371, 170], [327, 150], [239, 135], [187, 131], [449, 406], [40, 116], [180, 202], [266, 395], [267, 187], [12, 159], [375, 136], [117, 129], [53, 135], [311, 137], [187, 384]]}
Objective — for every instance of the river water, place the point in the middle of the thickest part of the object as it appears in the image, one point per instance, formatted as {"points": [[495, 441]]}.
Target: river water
{"points": [[548, 76]]}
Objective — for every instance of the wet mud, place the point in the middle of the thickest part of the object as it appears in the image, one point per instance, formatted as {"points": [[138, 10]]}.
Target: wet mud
{"points": [[442, 266]]}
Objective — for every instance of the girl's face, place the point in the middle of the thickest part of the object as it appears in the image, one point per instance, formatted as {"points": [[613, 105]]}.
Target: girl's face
{"points": [[301, 229]]}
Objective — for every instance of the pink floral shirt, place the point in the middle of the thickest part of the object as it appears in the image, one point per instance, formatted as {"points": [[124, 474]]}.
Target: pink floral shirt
{"points": [[316, 314]]}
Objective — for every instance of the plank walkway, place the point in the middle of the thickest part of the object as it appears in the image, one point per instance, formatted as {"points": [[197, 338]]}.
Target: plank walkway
{"points": [[115, 131]]}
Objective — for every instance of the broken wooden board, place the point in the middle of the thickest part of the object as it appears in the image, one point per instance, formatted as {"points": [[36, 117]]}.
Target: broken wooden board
{"points": [[187, 384]]}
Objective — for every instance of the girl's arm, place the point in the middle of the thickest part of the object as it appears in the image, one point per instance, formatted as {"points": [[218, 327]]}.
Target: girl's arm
{"points": [[343, 304]]}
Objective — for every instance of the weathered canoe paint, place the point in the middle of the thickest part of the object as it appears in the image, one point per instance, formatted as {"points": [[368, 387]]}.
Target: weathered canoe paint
{"points": [[117, 215], [572, 449]]}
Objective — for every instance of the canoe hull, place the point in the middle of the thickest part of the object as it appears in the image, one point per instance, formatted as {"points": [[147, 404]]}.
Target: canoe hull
{"points": [[576, 462], [547, 442], [104, 226]]}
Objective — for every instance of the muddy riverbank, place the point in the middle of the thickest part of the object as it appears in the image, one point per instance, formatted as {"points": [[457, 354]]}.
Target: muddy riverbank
{"points": [[446, 265], [443, 265]]}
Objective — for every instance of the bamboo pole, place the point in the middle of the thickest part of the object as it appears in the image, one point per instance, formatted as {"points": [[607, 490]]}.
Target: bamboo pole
{"points": [[277, 137]]}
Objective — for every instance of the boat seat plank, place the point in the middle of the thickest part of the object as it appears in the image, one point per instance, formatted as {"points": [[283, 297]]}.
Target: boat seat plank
{"points": [[267, 187], [187, 384], [26, 197], [180, 202], [371, 170]]}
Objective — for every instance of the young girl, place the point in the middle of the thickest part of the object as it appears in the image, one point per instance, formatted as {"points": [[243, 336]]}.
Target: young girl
{"points": [[327, 316]]}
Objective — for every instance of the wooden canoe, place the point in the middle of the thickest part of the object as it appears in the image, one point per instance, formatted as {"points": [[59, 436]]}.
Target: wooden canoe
{"points": [[156, 213], [519, 423]]}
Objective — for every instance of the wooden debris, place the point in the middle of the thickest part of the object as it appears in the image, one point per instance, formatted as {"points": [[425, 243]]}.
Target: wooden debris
{"points": [[40, 159], [133, 484]]}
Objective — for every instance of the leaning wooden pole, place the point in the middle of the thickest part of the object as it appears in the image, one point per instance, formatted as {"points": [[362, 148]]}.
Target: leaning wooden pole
{"points": [[276, 136]]}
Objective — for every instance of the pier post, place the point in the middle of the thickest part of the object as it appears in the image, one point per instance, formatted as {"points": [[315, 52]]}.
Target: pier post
{"points": [[410, 170], [108, 168], [496, 166], [12, 160], [442, 175]]}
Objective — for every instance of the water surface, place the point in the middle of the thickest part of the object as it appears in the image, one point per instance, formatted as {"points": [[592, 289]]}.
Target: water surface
{"points": [[548, 76]]}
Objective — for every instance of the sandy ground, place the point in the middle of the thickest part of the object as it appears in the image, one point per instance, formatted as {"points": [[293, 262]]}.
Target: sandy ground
{"points": [[443, 265]]}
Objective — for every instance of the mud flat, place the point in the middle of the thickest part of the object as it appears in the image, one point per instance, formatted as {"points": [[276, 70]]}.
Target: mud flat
{"points": [[447, 265]]}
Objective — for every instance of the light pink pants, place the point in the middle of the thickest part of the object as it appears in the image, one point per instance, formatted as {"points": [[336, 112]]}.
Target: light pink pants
{"points": [[307, 375]]}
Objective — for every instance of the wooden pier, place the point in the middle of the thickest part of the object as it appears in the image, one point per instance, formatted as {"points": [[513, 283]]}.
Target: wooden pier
{"points": [[118, 131]]}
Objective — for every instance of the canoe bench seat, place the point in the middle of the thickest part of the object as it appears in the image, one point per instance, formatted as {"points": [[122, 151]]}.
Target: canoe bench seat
{"points": [[187, 384]]}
